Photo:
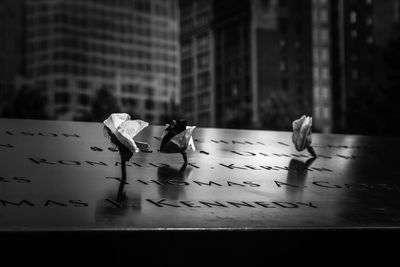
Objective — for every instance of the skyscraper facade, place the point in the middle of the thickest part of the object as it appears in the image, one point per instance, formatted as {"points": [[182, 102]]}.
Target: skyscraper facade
{"points": [[197, 62], [257, 48], [347, 36], [321, 62], [75, 47], [12, 26]]}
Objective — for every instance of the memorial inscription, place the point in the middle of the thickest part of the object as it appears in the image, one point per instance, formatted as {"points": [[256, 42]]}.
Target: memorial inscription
{"points": [[58, 175]]}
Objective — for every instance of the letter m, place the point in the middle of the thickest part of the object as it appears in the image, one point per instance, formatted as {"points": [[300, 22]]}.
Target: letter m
{"points": [[5, 203]]}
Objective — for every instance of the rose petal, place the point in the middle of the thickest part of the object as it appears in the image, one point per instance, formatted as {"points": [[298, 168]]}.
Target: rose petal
{"points": [[125, 129], [171, 147], [115, 119], [302, 132], [165, 130], [184, 140], [296, 128]]}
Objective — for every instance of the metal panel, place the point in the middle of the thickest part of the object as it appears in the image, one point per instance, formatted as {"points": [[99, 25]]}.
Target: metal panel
{"points": [[66, 176]]}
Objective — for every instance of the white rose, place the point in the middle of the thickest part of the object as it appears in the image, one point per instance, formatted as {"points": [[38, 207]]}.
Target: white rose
{"points": [[125, 129], [302, 134]]}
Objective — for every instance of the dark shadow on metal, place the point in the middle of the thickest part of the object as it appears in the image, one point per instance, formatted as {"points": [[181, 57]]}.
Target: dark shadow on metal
{"points": [[173, 181], [297, 177], [113, 207]]}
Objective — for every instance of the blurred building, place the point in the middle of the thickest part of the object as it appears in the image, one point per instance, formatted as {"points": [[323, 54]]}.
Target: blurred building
{"points": [[197, 62], [75, 47], [11, 46], [253, 48], [347, 35], [322, 83]]}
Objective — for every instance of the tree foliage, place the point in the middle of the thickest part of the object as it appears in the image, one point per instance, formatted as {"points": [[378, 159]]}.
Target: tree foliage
{"points": [[279, 110], [28, 103], [103, 104]]}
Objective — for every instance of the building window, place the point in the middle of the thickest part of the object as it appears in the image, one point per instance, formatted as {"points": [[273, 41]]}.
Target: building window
{"points": [[204, 100], [323, 15], [203, 79], [233, 89], [369, 21], [187, 85], [325, 113], [129, 88], [62, 98], [202, 19], [83, 99], [353, 17], [187, 65], [186, 47], [324, 37], [317, 112], [62, 83], [316, 93], [83, 84], [149, 117], [187, 104], [187, 25], [283, 65], [325, 73], [149, 104], [316, 73], [41, 84], [324, 55], [62, 110], [325, 93], [203, 41], [203, 60], [149, 91], [316, 55]]}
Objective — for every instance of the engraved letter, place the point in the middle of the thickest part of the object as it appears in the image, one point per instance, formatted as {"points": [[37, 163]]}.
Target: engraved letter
{"points": [[78, 203], [230, 166], [189, 203], [326, 184], [39, 160], [286, 204], [5, 202], [161, 203], [309, 204], [237, 205], [209, 183], [210, 204]]}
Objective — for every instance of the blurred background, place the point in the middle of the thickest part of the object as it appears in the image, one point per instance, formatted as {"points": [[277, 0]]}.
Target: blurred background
{"points": [[217, 63]]}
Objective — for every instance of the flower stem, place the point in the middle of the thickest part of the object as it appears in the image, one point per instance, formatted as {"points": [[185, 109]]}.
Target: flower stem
{"points": [[184, 157], [311, 150]]}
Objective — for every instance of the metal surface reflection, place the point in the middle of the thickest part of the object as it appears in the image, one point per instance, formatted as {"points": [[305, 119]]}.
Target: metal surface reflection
{"points": [[173, 181], [297, 176], [68, 175]]}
